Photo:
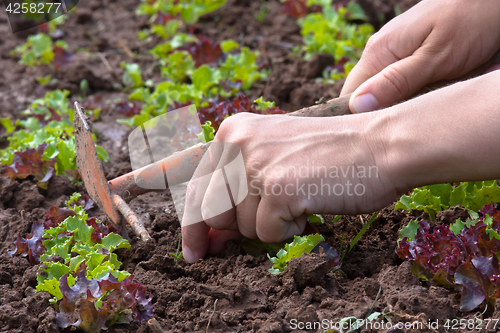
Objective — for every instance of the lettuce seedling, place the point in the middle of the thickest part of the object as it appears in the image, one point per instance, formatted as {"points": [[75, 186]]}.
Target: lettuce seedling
{"points": [[128, 108], [300, 245], [189, 10], [295, 8], [204, 51], [6, 126], [463, 256], [207, 132], [48, 130], [331, 30], [103, 302], [132, 77], [436, 198], [31, 162], [32, 246], [205, 86], [39, 50], [80, 269], [216, 111]]}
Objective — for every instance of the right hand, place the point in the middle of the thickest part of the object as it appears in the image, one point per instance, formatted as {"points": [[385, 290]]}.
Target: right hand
{"points": [[435, 40]]}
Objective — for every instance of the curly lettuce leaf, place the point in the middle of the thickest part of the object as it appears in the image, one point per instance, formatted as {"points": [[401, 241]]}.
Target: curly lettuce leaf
{"points": [[30, 162], [300, 245], [436, 198], [32, 246], [463, 256]]}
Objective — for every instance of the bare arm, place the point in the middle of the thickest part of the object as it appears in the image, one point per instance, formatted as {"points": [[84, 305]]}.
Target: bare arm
{"points": [[448, 135]]}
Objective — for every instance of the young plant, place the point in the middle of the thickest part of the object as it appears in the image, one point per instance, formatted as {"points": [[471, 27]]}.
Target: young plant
{"points": [[331, 30], [295, 8], [436, 198], [177, 254], [463, 256], [207, 132], [263, 10], [300, 245], [81, 271], [45, 140], [40, 50], [359, 235], [188, 10], [132, 77], [6, 126]]}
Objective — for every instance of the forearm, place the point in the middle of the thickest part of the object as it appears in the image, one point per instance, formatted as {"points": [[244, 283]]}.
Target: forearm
{"points": [[448, 135]]}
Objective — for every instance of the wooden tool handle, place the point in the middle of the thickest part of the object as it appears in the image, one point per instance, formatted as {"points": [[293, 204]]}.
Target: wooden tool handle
{"points": [[334, 107]]}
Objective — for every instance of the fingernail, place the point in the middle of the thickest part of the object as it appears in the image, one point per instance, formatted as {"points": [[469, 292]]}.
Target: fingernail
{"points": [[188, 255], [364, 103]]}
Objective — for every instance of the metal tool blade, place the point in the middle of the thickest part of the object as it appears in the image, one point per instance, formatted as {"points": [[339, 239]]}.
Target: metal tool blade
{"points": [[90, 167]]}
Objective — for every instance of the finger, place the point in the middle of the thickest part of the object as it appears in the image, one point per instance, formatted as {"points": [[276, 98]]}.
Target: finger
{"points": [[370, 64], [276, 224], [195, 241], [217, 208], [396, 40], [246, 216], [227, 187], [219, 238], [393, 84]]}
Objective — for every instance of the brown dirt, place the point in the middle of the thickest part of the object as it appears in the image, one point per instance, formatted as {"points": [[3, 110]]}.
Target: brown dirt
{"points": [[232, 291]]}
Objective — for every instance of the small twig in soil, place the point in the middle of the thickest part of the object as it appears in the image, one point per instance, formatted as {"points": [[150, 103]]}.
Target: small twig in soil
{"points": [[420, 316], [123, 45], [108, 66], [154, 326], [210, 319]]}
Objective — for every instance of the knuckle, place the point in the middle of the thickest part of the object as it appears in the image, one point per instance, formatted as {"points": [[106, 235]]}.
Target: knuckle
{"points": [[235, 128], [223, 221], [248, 233], [373, 44], [191, 192], [189, 234]]}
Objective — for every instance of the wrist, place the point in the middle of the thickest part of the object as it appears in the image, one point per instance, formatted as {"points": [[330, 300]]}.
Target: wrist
{"points": [[448, 135]]}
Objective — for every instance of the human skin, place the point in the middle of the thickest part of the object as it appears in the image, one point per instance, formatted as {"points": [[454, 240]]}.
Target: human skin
{"points": [[444, 136], [447, 135], [434, 40]]}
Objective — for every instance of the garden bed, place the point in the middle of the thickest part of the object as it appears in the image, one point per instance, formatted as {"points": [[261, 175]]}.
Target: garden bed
{"points": [[233, 291]]}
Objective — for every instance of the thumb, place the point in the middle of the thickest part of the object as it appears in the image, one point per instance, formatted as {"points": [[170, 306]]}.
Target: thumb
{"points": [[392, 85]]}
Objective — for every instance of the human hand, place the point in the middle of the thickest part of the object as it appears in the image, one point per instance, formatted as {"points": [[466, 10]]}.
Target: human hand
{"points": [[435, 40], [294, 167]]}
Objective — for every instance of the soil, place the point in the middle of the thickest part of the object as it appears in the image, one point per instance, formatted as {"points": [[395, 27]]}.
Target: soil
{"points": [[233, 291]]}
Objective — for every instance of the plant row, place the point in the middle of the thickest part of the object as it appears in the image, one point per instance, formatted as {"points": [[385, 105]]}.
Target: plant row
{"points": [[463, 255], [80, 269], [332, 29]]}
